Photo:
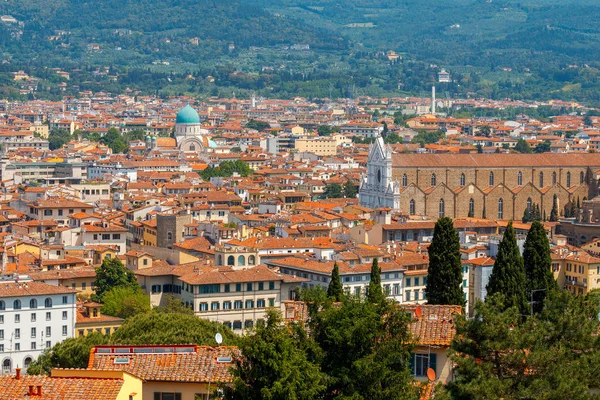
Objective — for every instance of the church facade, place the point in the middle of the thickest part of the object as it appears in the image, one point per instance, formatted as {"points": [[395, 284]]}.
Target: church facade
{"points": [[493, 186]]}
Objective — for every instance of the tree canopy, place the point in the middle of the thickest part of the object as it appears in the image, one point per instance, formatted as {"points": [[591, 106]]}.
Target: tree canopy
{"points": [[125, 302], [112, 274], [538, 265]]}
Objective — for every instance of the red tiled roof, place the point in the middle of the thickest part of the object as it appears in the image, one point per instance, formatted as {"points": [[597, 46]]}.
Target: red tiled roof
{"points": [[55, 388]]}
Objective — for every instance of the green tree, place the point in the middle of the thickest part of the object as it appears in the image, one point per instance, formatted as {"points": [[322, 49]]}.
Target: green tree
{"points": [[485, 130], [171, 328], [375, 294], [445, 277], [349, 189], [365, 349], [57, 138], [324, 130], [526, 215], [70, 353], [174, 305], [274, 365], [522, 146], [508, 273], [112, 274], [125, 302], [538, 265], [333, 191], [115, 141], [554, 211], [335, 290], [543, 147], [257, 125]]}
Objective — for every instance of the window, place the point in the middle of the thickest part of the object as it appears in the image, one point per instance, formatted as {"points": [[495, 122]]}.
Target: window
{"points": [[554, 178], [17, 304], [203, 306], [271, 285], [541, 179], [248, 324], [33, 332], [500, 209], [404, 180], [529, 204], [568, 179], [260, 303], [226, 305], [238, 287], [441, 211], [261, 286], [95, 236], [60, 212], [48, 302], [411, 207], [169, 235], [106, 236], [1, 334], [249, 287], [33, 303], [237, 324], [48, 316], [421, 362], [116, 236], [231, 260], [48, 331], [64, 314], [462, 179], [416, 281], [581, 177], [249, 303], [2, 305], [214, 288], [520, 179], [17, 318], [407, 295], [33, 317], [65, 300], [17, 346], [48, 344], [471, 208], [215, 305], [433, 180], [241, 260], [491, 179], [47, 212], [271, 302], [407, 282], [237, 304], [251, 260], [227, 288]]}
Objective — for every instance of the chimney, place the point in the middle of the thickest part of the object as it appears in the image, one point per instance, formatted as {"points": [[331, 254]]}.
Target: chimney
{"points": [[18, 373], [39, 390], [31, 392]]}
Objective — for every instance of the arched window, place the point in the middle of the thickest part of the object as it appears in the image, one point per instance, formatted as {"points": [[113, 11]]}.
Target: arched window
{"points": [[491, 179], [33, 303], [541, 179], [462, 180], [48, 302], [520, 179], [554, 178], [500, 209], [192, 147], [26, 362], [169, 235], [219, 260], [2, 305], [6, 366], [241, 260], [231, 260], [433, 180], [404, 180], [471, 208], [411, 210], [251, 259], [17, 304], [529, 204], [568, 179], [581, 177], [442, 209]]}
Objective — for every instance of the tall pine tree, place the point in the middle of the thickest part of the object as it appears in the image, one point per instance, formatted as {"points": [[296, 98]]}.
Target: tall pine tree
{"points": [[335, 291], [554, 212], [508, 274], [445, 277], [538, 264], [375, 291]]}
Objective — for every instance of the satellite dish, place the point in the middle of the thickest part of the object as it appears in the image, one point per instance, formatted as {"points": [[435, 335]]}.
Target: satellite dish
{"points": [[418, 312], [430, 374], [219, 338]]}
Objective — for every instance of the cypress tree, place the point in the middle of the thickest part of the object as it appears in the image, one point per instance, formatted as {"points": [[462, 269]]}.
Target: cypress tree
{"points": [[538, 214], [445, 277], [526, 215], [554, 212], [538, 264], [334, 290], [375, 291], [508, 274]]}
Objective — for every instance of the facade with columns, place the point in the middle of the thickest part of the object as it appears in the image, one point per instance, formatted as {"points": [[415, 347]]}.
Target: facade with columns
{"points": [[493, 186]]}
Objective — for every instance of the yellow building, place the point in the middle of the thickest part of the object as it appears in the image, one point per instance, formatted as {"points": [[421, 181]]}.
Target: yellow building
{"points": [[90, 319], [41, 130], [321, 146], [150, 232], [576, 270]]}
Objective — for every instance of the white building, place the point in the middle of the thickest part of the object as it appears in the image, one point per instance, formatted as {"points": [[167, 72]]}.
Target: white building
{"points": [[33, 316], [378, 189], [98, 171]]}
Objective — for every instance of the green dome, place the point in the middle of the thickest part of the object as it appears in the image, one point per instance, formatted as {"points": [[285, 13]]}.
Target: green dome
{"points": [[187, 115], [147, 137]]}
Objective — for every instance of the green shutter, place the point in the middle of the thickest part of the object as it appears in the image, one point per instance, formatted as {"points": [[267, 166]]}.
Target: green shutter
{"points": [[411, 363], [433, 362]]}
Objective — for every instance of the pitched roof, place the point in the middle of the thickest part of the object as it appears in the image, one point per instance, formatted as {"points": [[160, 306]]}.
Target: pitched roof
{"points": [[476, 160], [54, 388], [435, 326], [178, 363], [13, 289]]}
